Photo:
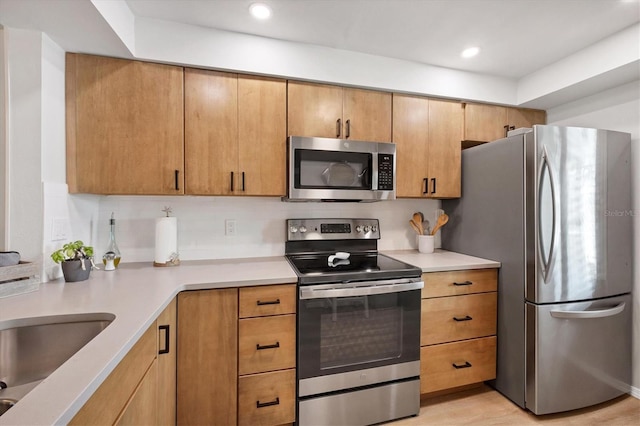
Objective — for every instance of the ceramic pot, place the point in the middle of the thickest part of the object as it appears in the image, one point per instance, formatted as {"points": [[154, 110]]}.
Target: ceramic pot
{"points": [[72, 270]]}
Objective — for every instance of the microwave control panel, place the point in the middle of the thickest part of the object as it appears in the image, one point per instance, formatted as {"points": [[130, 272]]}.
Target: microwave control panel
{"points": [[385, 172]]}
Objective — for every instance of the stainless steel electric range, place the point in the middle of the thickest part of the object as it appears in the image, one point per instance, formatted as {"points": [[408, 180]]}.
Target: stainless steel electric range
{"points": [[358, 324]]}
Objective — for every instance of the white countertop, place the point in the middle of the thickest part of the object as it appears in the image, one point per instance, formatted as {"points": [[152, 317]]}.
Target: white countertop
{"points": [[136, 294]]}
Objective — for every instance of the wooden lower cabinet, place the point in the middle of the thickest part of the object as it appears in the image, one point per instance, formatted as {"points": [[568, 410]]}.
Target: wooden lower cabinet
{"points": [[167, 361], [115, 399], [142, 408], [207, 357], [237, 356], [449, 365], [458, 329], [267, 398]]}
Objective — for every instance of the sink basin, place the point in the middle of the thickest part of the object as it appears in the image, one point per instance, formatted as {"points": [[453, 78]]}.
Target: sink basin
{"points": [[32, 348]]}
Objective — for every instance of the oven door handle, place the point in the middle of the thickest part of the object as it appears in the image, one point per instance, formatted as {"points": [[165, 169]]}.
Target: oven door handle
{"points": [[361, 289]]}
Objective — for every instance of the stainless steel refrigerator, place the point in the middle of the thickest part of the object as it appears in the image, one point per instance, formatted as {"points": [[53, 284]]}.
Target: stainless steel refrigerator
{"points": [[553, 205]]}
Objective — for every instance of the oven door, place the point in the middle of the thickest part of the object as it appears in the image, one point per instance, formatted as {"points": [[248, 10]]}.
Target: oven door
{"points": [[358, 334]]}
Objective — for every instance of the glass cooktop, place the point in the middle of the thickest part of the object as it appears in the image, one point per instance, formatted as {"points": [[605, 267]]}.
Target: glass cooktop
{"points": [[317, 268]]}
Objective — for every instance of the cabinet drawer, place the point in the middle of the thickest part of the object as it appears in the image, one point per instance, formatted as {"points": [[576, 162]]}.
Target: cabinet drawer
{"points": [[475, 361], [266, 344], [453, 283], [267, 398], [447, 319], [267, 300]]}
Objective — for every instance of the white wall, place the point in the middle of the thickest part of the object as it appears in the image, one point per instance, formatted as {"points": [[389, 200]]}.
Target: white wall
{"points": [[3, 158], [615, 109]]}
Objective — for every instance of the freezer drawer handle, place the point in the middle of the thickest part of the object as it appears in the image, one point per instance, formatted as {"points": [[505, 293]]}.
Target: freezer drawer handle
{"points": [[467, 364], [600, 313], [463, 283], [465, 318], [268, 404], [275, 345]]}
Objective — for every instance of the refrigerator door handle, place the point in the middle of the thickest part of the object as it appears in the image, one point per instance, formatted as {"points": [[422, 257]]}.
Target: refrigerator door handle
{"points": [[600, 313], [547, 263]]}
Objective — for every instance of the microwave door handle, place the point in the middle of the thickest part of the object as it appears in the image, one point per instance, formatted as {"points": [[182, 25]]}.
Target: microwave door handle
{"points": [[344, 290]]}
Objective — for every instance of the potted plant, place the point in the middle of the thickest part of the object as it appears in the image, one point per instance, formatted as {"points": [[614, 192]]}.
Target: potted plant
{"points": [[76, 260]]}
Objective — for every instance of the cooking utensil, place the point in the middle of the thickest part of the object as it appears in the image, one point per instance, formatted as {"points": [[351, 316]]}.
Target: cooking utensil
{"points": [[442, 219], [415, 227], [417, 219]]}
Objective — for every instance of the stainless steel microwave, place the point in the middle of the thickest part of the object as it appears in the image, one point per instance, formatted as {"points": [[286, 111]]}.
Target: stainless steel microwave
{"points": [[324, 169]]}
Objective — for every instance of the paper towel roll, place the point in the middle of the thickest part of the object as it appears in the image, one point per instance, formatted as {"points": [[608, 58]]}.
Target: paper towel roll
{"points": [[166, 238]]}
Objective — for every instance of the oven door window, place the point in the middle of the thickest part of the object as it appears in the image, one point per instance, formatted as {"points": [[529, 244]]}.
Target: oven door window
{"points": [[315, 169], [351, 333]]}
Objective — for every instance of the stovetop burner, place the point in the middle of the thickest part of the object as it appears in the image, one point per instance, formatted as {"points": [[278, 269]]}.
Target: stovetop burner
{"points": [[340, 250]]}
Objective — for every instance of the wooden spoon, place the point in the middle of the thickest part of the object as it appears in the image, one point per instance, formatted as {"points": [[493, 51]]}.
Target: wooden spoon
{"points": [[442, 219], [417, 219], [415, 227]]}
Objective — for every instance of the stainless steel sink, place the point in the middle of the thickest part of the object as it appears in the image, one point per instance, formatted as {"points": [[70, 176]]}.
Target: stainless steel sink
{"points": [[32, 348]]}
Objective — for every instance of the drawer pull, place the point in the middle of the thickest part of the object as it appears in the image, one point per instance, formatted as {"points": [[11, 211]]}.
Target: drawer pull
{"points": [[268, 404], [259, 348], [467, 364], [463, 283], [465, 318], [164, 328], [269, 302]]}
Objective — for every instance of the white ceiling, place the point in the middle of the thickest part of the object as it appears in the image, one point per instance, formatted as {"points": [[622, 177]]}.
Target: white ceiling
{"points": [[516, 37]]}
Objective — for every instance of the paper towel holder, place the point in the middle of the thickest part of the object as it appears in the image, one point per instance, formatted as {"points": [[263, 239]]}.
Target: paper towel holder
{"points": [[174, 258]]}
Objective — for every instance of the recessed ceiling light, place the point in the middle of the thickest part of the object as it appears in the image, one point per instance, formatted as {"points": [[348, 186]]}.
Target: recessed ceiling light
{"points": [[470, 52], [260, 11]]}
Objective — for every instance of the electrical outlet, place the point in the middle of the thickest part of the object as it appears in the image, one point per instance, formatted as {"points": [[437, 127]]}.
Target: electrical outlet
{"points": [[59, 228], [230, 226]]}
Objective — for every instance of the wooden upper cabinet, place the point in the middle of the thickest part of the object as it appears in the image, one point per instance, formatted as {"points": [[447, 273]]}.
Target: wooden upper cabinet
{"points": [[445, 133], [411, 136], [427, 133], [124, 122], [235, 134], [335, 112], [486, 123]]}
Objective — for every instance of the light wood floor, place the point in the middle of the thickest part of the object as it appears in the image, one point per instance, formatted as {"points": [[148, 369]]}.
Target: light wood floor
{"points": [[485, 406]]}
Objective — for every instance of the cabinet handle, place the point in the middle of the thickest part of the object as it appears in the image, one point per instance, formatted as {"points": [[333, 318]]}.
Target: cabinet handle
{"points": [[231, 188], [270, 302], [242, 181], [507, 128], [467, 364], [338, 127], [463, 283], [433, 184], [465, 318], [177, 181], [267, 404], [275, 345], [426, 185], [165, 328], [347, 130]]}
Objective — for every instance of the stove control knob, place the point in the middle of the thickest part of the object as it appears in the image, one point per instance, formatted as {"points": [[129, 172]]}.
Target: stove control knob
{"points": [[303, 229], [358, 228], [367, 228], [294, 229], [374, 228]]}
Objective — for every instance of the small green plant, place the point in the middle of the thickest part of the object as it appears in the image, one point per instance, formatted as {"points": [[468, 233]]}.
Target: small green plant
{"points": [[72, 251]]}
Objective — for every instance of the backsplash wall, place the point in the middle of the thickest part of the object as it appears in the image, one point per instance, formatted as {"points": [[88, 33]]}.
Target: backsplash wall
{"points": [[260, 224]]}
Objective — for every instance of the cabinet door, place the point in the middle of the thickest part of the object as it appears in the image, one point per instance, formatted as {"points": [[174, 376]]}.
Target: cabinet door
{"points": [[262, 136], [314, 110], [142, 408], [211, 132], [367, 115], [124, 126], [445, 135], [167, 365], [522, 117], [484, 123], [411, 136], [208, 357]]}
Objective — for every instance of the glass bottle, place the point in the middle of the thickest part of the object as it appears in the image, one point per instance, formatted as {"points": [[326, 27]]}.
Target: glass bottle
{"points": [[111, 258]]}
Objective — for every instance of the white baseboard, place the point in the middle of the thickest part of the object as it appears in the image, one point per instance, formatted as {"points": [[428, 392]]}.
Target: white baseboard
{"points": [[635, 392]]}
